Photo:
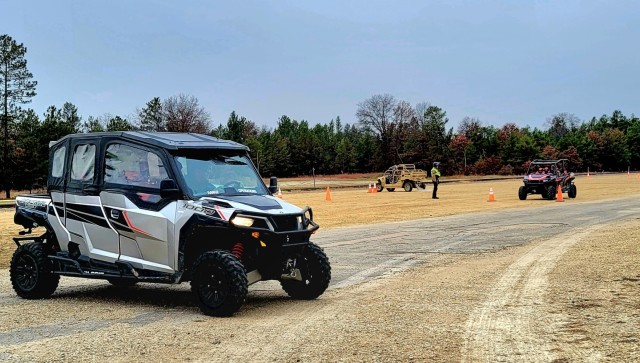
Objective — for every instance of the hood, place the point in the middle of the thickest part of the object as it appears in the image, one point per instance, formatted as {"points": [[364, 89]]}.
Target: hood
{"points": [[256, 203]]}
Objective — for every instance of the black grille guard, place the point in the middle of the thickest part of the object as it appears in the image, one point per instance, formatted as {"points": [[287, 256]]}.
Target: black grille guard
{"points": [[310, 225]]}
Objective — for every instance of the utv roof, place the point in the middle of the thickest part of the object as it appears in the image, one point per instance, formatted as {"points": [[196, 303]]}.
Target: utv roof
{"points": [[538, 161], [167, 140]]}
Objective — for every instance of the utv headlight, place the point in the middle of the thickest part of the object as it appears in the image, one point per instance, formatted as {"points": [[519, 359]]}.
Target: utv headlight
{"points": [[242, 221]]}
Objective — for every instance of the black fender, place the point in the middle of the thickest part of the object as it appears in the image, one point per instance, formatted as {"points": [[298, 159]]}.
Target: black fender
{"points": [[34, 218], [31, 218]]}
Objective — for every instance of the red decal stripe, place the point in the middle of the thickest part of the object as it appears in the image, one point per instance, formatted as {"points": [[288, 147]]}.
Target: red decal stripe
{"points": [[126, 217], [220, 213]]}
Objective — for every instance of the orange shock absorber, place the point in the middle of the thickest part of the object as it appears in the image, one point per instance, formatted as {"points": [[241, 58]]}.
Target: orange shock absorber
{"points": [[238, 250]]}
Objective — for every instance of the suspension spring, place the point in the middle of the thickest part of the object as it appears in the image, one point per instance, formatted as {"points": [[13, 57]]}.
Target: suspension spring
{"points": [[238, 250]]}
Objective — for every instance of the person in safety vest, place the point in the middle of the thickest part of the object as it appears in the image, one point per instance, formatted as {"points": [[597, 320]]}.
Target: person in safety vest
{"points": [[435, 178]]}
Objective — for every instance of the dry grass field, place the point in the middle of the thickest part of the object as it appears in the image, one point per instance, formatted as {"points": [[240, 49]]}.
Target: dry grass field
{"points": [[356, 207], [351, 207]]}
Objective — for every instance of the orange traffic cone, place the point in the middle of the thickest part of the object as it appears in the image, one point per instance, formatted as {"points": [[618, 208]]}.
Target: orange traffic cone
{"points": [[279, 195], [370, 189], [492, 198], [559, 195], [327, 196], [374, 188]]}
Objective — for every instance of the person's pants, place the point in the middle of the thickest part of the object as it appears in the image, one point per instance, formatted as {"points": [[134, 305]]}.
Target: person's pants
{"points": [[435, 189]]}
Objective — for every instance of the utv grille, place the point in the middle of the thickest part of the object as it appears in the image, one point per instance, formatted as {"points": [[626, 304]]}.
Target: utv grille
{"points": [[286, 223]]}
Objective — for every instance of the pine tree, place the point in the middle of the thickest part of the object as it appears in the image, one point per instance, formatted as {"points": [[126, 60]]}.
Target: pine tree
{"points": [[151, 117], [117, 123], [16, 87]]}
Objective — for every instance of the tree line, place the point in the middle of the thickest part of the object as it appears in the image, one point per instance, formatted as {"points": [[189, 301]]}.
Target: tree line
{"points": [[386, 131]]}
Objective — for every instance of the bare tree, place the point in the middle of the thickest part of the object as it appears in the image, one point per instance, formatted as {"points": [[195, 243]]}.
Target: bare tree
{"points": [[421, 108], [403, 113], [405, 132], [469, 126], [377, 113], [561, 124], [183, 114]]}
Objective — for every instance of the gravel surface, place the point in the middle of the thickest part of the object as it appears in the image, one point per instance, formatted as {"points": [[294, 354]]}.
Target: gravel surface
{"points": [[559, 300], [550, 297]]}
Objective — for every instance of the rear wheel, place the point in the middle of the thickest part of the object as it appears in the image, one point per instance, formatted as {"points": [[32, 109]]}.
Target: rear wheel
{"points": [[407, 186], [573, 191], [522, 193], [315, 273], [391, 189], [31, 272], [219, 282], [551, 192], [379, 186]]}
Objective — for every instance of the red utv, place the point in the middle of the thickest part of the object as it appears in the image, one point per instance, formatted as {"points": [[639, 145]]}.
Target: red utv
{"points": [[544, 176]]}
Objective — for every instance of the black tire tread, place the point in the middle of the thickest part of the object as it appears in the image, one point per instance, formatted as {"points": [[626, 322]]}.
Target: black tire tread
{"points": [[238, 284], [522, 193], [316, 287], [47, 281], [552, 192]]}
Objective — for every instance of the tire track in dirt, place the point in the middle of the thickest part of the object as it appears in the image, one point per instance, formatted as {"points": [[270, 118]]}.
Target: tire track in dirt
{"points": [[513, 324], [302, 321]]}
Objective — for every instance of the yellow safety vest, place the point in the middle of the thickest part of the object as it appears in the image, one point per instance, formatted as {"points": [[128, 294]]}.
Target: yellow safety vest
{"points": [[434, 172]]}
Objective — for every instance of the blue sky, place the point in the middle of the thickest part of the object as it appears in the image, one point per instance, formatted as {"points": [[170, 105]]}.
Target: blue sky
{"points": [[499, 61]]}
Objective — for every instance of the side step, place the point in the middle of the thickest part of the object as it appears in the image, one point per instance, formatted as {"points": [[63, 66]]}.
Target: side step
{"points": [[66, 266]]}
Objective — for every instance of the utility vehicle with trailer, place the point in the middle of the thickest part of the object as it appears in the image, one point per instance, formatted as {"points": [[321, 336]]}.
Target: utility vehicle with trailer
{"points": [[131, 207], [404, 176], [544, 176]]}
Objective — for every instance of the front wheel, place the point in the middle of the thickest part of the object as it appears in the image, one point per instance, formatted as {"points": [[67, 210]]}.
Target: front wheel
{"points": [[573, 191], [220, 283], [407, 186], [31, 272], [522, 193], [379, 186], [551, 192], [315, 273]]}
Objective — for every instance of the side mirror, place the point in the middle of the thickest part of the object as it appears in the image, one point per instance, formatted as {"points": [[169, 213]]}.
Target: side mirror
{"points": [[273, 185], [169, 189]]}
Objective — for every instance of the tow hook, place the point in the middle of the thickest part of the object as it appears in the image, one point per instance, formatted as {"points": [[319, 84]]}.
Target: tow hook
{"points": [[293, 272]]}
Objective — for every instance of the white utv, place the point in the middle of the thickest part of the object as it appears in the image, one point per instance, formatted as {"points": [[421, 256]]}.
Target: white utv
{"points": [[133, 207]]}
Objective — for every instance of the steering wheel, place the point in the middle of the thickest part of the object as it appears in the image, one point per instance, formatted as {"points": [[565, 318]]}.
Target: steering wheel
{"points": [[233, 184]]}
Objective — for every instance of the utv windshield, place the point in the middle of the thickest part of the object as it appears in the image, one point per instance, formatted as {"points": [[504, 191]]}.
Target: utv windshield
{"points": [[542, 168], [219, 173]]}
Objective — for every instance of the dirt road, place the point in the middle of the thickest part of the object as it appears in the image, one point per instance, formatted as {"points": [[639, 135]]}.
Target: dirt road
{"points": [[547, 282]]}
